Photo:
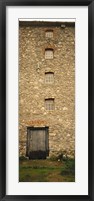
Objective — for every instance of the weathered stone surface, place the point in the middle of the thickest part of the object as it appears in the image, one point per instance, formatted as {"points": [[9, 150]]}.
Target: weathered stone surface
{"points": [[33, 90]]}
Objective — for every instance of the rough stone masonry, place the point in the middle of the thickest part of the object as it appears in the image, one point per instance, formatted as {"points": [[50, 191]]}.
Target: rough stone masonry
{"points": [[47, 86]]}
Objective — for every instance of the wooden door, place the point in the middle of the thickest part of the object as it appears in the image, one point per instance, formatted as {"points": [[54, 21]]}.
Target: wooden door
{"points": [[37, 143]]}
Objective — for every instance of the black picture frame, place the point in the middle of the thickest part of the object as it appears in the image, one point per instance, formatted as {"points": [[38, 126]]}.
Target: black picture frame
{"points": [[3, 4]]}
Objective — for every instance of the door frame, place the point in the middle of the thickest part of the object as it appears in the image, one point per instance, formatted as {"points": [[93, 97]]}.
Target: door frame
{"points": [[46, 128]]}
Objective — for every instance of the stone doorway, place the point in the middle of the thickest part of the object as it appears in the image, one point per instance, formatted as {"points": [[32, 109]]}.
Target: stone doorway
{"points": [[37, 142]]}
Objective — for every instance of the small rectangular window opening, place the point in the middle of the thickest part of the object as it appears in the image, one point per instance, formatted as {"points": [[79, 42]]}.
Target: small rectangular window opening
{"points": [[49, 54], [49, 33], [49, 77], [49, 104]]}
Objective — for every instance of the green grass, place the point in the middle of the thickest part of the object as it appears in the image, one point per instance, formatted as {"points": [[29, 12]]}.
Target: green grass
{"points": [[47, 171]]}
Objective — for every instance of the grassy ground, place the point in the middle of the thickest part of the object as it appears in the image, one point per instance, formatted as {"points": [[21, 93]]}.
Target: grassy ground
{"points": [[47, 171]]}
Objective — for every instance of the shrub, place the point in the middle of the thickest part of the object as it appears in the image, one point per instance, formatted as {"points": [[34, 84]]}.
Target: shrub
{"points": [[23, 158], [69, 167]]}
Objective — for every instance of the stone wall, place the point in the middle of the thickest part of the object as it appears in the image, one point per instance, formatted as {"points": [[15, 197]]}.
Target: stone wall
{"points": [[33, 90]]}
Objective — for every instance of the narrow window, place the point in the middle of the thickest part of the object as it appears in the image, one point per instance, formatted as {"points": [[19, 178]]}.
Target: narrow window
{"points": [[49, 33], [49, 54], [49, 104], [49, 77]]}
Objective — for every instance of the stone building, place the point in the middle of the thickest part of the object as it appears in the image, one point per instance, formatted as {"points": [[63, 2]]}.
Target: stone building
{"points": [[46, 89]]}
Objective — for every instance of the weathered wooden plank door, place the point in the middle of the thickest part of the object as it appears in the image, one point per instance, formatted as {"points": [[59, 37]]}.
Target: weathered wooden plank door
{"points": [[37, 143]]}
